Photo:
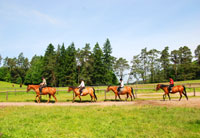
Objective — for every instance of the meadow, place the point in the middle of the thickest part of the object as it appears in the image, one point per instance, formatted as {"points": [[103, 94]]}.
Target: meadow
{"points": [[99, 121], [95, 120]]}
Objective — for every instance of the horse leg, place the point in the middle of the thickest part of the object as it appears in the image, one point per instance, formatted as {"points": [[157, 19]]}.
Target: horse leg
{"points": [[74, 98], [36, 98], [163, 97], [49, 98], [115, 96], [169, 97], [127, 96], [185, 95], [131, 96], [39, 98], [91, 97], [55, 98], [180, 96], [119, 97], [79, 98]]}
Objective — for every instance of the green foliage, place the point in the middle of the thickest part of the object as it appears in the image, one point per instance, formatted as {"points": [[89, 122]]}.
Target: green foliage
{"points": [[98, 66]]}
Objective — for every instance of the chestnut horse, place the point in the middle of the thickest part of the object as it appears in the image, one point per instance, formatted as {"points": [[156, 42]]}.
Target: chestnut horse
{"points": [[126, 90], [175, 89], [85, 91], [45, 91]]}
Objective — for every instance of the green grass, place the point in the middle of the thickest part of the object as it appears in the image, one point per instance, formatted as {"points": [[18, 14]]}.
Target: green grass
{"points": [[99, 121]]}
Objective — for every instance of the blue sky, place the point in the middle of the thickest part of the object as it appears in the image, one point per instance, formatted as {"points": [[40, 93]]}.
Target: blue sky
{"points": [[28, 26]]}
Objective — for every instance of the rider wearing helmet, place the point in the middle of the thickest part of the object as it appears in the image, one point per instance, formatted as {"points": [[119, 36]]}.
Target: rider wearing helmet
{"points": [[171, 84], [43, 84], [121, 85], [81, 86]]}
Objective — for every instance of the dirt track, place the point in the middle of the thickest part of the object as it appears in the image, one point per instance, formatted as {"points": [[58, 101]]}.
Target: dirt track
{"points": [[192, 102]]}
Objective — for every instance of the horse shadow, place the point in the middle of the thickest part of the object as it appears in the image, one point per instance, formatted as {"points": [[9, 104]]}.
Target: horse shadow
{"points": [[78, 101], [41, 101], [113, 100]]}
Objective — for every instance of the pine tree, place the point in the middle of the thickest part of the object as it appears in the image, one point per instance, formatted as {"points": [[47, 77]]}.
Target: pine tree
{"points": [[98, 66], [49, 65], [108, 63], [71, 68]]}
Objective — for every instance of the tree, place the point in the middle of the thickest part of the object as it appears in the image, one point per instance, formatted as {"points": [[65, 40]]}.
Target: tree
{"points": [[98, 66], [153, 63], [61, 68], [165, 62], [0, 59], [71, 68], [144, 60], [85, 62], [49, 65], [197, 54], [120, 66], [34, 74], [108, 61], [175, 60], [136, 70]]}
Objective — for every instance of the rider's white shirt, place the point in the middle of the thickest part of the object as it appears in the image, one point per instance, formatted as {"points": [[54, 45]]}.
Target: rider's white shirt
{"points": [[122, 84], [82, 84]]}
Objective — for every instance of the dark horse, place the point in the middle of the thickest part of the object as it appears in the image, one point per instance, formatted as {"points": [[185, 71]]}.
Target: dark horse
{"points": [[175, 89]]}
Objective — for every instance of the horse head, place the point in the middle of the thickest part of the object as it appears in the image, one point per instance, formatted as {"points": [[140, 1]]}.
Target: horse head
{"points": [[108, 88], [158, 87], [71, 88], [28, 88]]}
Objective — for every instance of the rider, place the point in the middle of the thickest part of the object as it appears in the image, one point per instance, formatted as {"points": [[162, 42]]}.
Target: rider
{"points": [[121, 86], [81, 86], [171, 84], [43, 84]]}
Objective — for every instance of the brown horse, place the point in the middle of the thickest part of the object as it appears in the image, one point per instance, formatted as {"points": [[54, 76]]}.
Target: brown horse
{"points": [[86, 91], [45, 91], [126, 90], [175, 89]]}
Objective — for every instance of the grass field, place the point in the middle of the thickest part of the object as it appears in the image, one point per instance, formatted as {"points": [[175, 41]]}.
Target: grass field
{"points": [[99, 121], [94, 121]]}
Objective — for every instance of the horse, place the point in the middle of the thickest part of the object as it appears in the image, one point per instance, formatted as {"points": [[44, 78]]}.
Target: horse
{"points": [[85, 91], [126, 90], [179, 88], [47, 90]]}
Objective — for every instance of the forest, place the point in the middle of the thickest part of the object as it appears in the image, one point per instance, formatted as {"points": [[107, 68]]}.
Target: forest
{"points": [[65, 65]]}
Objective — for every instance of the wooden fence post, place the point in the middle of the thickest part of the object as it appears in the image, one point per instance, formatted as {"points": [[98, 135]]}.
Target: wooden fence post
{"points": [[194, 92]]}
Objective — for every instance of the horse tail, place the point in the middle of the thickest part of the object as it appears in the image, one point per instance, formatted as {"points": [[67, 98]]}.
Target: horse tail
{"points": [[185, 93], [184, 89], [132, 92], [94, 93]]}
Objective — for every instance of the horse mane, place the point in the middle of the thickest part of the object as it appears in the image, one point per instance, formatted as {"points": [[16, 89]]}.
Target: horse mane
{"points": [[163, 85], [73, 87]]}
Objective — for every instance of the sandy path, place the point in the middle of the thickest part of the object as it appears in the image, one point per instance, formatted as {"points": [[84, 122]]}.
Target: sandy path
{"points": [[192, 102]]}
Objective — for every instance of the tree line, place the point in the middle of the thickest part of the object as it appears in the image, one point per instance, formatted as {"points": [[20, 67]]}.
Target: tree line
{"points": [[151, 66], [64, 66]]}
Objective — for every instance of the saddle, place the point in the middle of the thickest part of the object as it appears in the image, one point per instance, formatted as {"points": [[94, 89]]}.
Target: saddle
{"points": [[41, 89], [81, 89], [120, 89]]}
